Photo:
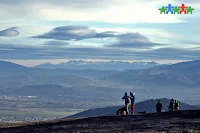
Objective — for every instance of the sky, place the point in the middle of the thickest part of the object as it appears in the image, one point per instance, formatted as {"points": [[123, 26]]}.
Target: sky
{"points": [[34, 31]]}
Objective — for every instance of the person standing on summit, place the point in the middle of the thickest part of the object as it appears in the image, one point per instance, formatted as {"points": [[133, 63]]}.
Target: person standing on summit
{"points": [[171, 105], [127, 102], [132, 97], [176, 105], [159, 106]]}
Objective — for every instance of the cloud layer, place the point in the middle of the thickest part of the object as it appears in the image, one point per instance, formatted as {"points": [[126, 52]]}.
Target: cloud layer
{"points": [[11, 32], [20, 52], [74, 32], [133, 40], [125, 40], [56, 43]]}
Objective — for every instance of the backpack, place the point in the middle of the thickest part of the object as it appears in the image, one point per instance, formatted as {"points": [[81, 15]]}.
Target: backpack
{"points": [[127, 99], [177, 104]]}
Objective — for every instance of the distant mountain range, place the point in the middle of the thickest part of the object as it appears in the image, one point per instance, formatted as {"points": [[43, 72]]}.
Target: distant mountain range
{"points": [[181, 80], [184, 75], [8, 69], [148, 106], [111, 65]]}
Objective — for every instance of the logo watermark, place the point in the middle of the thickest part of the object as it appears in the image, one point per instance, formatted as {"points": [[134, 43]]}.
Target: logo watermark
{"points": [[182, 9]]}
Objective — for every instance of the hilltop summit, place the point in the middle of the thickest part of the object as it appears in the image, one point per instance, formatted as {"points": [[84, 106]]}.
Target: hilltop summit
{"points": [[181, 121]]}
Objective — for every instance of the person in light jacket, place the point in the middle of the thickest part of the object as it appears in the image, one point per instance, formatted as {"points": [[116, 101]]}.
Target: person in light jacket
{"points": [[127, 102]]}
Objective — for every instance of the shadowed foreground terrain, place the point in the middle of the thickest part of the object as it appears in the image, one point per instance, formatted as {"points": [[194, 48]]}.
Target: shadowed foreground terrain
{"points": [[181, 121]]}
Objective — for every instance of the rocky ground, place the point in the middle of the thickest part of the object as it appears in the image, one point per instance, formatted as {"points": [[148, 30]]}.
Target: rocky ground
{"points": [[166, 122]]}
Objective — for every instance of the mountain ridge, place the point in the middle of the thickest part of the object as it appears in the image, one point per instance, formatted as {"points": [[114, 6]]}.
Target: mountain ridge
{"points": [[110, 65], [9, 69]]}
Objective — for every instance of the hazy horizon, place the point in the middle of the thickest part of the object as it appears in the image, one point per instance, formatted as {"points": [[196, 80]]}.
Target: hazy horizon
{"points": [[33, 63]]}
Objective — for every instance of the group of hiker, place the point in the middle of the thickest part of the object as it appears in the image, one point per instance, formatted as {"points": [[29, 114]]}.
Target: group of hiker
{"points": [[173, 105], [130, 103]]}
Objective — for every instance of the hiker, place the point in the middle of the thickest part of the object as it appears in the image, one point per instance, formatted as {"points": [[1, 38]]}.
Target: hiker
{"points": [[158, 106], [127, 102], [176, 106], [171, 105], [132, 97]]}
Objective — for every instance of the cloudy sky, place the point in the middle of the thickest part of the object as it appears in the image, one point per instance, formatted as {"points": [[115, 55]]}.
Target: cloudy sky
{"points": [[35, 31]]}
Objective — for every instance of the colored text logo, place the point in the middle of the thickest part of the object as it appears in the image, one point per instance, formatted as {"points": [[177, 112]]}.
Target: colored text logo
{"points": [[182, 9]]}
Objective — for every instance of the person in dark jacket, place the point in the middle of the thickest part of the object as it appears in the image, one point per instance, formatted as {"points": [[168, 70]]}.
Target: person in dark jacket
{"points": [[171, 105], [132, 97], [159, 106], [127, 102], [176, 105]]}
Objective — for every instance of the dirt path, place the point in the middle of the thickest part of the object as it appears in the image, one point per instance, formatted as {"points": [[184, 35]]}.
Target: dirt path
{"points": [[183, 121]]}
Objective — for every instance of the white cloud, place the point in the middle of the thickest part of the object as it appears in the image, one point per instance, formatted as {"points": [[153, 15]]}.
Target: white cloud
{"points": [[113, 11], [130, 13]]}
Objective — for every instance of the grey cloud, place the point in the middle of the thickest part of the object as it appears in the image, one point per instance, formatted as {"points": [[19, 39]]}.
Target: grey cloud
{"points": [[56, 43], [69, 33], [175, 53], [11, 32], [76, 33], [106, 34], [133, 40], [8, 51], [21, 52], [127, 40]]}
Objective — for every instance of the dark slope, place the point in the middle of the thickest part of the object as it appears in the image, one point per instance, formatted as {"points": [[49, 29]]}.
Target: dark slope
{"points": [[43, 90], [9, 65], [189, 67], [148, 106], [24, 80], [181, 121], [9, 69]]}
